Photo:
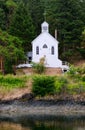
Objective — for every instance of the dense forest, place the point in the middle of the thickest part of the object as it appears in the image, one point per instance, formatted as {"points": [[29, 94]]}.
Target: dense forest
{"points": [[20, 22]]}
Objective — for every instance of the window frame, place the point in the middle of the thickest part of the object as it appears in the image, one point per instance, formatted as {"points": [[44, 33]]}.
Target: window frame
{"points": [[52, 50], [45, 46], [37, 50]]}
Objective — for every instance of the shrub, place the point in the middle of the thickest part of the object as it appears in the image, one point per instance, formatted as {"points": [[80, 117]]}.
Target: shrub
{"points": [[43, 85], [76, 88], [73, 88], [38, 68], [72, 71], [60, 85]]}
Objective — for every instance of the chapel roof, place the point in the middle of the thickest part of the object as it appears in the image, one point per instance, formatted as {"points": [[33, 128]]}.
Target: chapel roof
{"points": [[44, 33], [43, 36]]}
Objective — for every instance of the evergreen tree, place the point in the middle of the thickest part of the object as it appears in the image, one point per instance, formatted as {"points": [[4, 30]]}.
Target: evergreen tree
{"points": [[37, 11], [82, 3], [7, 8], [10, 8], [11, 50], [83, 39], [68, 18], [82, 48], [2, 19], [22, 25], [50, 8], [70, 24]]}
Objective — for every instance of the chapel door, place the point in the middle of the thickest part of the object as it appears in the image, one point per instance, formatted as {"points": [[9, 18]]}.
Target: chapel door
{"points": [[45, 52]]}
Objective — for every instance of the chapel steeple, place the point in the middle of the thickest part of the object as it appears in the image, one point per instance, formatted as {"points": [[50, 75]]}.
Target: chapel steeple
{"points": [[45, 27]]}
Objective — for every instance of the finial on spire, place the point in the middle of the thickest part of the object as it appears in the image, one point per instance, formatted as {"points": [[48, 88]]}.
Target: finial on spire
{"points": [[45, 14]]}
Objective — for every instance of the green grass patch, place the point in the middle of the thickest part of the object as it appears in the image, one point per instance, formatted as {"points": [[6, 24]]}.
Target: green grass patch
{"points": [[9, 82]]}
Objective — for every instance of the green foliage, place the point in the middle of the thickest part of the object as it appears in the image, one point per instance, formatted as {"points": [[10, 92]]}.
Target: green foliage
{"points": [[22, 25], [21, 18], [10, 4], [43, 85], [2, 19], [76, 73], [37, 10], [66, 16], [83, 78], [72, 85], [76, 80], [82, 52], [76, 88], [72, 71], [7, 9], [83, 39], [73, 82], [11, 50], [38, 68], [11, 82], [8, 67], [67, 55], [61, 84], [81, 70]]}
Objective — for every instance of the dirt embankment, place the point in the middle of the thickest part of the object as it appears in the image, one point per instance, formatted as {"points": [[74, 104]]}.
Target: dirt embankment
{"points": [[80, 63]]}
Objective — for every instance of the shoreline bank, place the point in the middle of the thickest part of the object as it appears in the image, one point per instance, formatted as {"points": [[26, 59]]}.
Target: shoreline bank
{"points": [[42, 107]]}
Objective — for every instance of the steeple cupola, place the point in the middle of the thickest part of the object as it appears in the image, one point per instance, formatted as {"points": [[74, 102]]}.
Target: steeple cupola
{"points": [[45, 27]]}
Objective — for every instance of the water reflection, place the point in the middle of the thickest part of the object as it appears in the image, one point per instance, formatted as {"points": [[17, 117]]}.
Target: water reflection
{"points": [[11, 126], [30, 123]]}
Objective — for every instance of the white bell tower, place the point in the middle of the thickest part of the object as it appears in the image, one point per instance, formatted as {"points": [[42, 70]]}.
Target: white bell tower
{"points": [[45, 27]]}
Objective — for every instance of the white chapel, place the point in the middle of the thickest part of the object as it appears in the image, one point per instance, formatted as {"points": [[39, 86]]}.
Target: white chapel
{"points": [[45, 45]]}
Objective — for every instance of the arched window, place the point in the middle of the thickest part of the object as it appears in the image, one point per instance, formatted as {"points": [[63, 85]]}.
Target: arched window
{"points": [[45, 46], [37, 50], [52, 50]]}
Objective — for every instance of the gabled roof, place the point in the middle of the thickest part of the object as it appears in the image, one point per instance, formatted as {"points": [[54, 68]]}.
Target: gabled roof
{"points": [[44, 34]]}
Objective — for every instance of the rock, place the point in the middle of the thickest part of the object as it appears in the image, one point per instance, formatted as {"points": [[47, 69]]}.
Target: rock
{"points": [[26, 97]]}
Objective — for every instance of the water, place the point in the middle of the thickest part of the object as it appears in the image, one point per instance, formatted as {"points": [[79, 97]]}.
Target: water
{"points": [[42, 123]]}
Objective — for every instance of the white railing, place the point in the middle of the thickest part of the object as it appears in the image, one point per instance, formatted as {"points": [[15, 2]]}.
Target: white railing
{"points": [[65, 63]]}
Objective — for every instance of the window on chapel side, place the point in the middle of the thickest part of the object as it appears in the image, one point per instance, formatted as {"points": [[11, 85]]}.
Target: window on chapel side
{"points": [[52, 50], [37, 50]]}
